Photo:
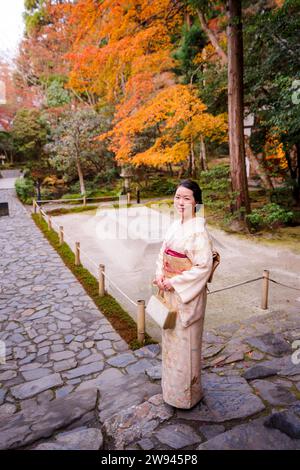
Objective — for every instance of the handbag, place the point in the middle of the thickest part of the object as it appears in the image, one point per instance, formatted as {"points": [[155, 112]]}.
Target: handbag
{"points": [[158, 309], [216, 262]]}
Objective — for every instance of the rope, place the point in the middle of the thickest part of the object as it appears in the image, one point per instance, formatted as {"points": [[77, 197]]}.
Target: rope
{"points": [[236, 285], [118, 289], [284, 285], [54, 224], [87, 257]]}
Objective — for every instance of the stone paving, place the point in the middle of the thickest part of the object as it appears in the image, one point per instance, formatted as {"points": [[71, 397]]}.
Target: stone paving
{"points": [[70, 382]]}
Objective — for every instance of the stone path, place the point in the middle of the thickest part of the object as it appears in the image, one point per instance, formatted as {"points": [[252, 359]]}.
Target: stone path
{"points": [[70, 382]]}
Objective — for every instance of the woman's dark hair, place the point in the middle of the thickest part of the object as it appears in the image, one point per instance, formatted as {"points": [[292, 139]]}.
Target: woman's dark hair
{"points": [[193, 186]]}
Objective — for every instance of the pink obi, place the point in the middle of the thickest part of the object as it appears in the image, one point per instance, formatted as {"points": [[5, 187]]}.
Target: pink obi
{"points": [[175, 263]]}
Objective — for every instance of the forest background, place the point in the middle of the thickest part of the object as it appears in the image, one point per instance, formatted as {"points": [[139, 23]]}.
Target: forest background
{"points": [[162, 90]]}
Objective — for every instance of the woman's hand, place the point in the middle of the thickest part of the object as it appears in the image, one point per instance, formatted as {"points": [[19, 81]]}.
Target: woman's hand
{"points": [[159, 282], [167, 285]]}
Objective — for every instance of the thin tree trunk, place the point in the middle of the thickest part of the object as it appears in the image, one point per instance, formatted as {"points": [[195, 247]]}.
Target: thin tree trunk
{"points": [[259, 170], [203, 161], [193, 161], [170, 169], [212, 37], [236, 108], [181, 171], [80, 176]]}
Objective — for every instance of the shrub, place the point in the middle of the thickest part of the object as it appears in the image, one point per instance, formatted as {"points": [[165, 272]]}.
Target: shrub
{"points": [[270, 216], [25, 189], [160, 187], [216, 188]]}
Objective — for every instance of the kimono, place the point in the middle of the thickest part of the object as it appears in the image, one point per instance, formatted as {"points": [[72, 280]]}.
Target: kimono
{"points": [[186, 258]]}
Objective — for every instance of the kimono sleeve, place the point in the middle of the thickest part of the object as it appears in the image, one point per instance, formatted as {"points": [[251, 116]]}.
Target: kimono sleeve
{"points": [[191, 283]]}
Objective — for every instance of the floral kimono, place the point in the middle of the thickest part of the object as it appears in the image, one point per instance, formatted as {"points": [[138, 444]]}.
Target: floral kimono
{"points": [[186, 258]]}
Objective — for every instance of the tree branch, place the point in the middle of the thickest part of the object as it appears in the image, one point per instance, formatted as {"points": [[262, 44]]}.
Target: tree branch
{"points": [[212, 37]]}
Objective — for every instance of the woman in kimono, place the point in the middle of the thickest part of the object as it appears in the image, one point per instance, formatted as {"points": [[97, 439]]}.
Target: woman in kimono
{"points": [[184, 267]]}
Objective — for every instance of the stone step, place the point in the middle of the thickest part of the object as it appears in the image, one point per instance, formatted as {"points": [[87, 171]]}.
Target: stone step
{"points": [[26, 427]]}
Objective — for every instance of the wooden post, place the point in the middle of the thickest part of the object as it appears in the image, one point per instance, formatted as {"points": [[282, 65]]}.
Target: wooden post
{"points": [[34, 206], [138, 199], [101, 280], [84, 200], [141, 321], [265, 290], [77, 253], [61, 235], [39, 211], [128, 198], [49, 222]]}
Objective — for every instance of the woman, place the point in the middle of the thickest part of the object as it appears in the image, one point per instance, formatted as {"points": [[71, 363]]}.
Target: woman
{"points": [[184, 267]]}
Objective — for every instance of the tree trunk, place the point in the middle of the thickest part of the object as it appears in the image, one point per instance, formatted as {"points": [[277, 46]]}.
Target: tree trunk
{"points": [[236, 108], [181, 171], [293, 159], [80, 176], [190, 165], [203, 161], [193, 161], [170, 169], [259, 170], [297, 192]]}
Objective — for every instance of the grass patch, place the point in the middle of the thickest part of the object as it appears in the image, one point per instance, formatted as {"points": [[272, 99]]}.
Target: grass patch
{"points": [[109, 307]]}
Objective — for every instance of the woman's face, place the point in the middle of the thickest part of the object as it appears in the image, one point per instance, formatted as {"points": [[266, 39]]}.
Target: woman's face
{"points": [[184, 201]]}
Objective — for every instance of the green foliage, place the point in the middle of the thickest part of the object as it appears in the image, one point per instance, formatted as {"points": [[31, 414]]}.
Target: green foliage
{"points": [[272, 64], [192, 41], [56, 94], [270, 216], [215, 186], [159, 187], [29, 133], [35, 14], [25, 189]]}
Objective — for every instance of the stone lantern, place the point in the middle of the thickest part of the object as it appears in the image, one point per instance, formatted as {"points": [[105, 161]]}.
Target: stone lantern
{"points": [[127, 174]]}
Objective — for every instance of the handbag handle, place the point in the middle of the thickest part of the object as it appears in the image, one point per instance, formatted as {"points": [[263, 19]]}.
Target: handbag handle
{"points": [[160, 292]]}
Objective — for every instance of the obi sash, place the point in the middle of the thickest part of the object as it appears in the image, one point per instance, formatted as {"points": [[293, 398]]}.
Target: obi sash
{"points": [[175, 263]]}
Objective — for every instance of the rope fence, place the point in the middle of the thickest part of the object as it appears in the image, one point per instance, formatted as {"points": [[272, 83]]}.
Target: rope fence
{"points": [[84, 199], [104, 279]]}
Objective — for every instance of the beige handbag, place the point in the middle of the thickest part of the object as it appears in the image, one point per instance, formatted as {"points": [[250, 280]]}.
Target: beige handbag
{"points": [[158, 309]]}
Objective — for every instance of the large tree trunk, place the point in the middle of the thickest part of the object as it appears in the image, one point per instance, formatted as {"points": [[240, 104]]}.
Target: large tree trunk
{"points": [[203, 161], [236, 108], [297, 191], [80, 176], [259, 170]]}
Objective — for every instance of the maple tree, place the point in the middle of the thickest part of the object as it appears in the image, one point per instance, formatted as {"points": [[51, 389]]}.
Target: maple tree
{"points": [[41, 59], [178, 119], [122, 54]]}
